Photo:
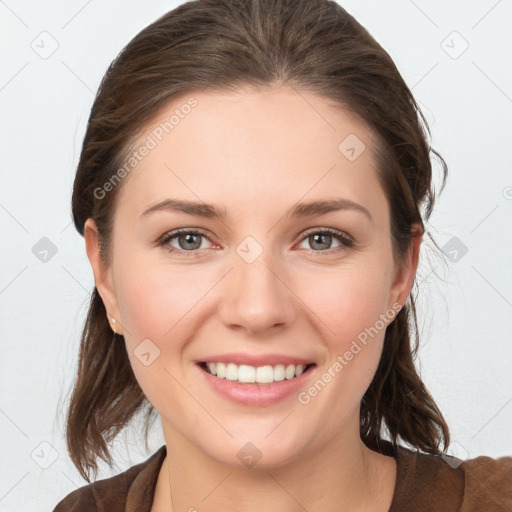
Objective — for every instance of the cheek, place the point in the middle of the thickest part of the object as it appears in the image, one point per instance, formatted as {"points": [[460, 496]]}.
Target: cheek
{"points": [[153, 297], [156, 303], [161, 303], [351, 300], [353, 314], [353, 332]]}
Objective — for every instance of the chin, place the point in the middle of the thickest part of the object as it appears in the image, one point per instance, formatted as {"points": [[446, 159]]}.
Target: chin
{"points": [[259, 451]]}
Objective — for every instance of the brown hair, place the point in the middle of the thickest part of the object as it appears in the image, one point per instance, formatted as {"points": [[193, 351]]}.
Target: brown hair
{"points": [[312, 45]]}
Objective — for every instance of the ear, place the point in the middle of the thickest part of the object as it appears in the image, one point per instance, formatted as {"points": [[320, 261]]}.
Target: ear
{"points": [[405, 276], [102, 275]]}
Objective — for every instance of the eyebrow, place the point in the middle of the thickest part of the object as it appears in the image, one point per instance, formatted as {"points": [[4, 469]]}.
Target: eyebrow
{"points": [[300, 210]]}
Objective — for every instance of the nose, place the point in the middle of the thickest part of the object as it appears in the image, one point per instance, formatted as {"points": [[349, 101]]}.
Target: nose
{"points": [[256, 297]]}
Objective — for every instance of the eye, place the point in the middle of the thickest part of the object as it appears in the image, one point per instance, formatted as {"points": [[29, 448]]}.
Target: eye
{"points": [[322, 240], [189, 241]]}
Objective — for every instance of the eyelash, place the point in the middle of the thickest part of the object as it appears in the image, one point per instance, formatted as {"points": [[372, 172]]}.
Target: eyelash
{"points": [[345, 241]]}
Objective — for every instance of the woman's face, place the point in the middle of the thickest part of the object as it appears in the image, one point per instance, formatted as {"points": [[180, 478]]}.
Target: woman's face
{"points": [[262, 286]]}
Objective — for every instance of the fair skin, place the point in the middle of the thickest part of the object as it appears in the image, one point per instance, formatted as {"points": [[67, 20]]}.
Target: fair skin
{"points": [[256, 154]]}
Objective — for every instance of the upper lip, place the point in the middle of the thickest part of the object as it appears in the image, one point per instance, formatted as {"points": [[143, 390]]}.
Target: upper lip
{"points": [[255, 360]]}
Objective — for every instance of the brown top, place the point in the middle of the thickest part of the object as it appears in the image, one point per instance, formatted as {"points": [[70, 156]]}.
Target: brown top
{"points": [[424, 483]]}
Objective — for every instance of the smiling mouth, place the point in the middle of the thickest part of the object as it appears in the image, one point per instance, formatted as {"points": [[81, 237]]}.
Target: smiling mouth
{"points": [[246, 374]]}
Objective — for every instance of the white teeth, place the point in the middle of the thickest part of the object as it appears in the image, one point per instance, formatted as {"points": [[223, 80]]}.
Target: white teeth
{"points": [[250, 374], [290, 371], [221, 370], [264, 374], [299, 369], [231, 372], [279, 372], [246, 373]]}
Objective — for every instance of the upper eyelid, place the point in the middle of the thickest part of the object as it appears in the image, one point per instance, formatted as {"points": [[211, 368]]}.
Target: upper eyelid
{"points": [[333, 231], [171, 235]]}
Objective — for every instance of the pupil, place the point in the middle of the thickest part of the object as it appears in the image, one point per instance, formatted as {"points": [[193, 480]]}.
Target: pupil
{"points": [[189, 240], [318, 237]]}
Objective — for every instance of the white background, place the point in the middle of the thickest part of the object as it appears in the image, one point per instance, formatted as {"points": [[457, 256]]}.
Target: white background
{"points": [[466, 354]]}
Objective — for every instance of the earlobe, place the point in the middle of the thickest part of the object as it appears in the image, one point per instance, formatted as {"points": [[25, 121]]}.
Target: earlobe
{"points": [[102, 274], [405, 277]]}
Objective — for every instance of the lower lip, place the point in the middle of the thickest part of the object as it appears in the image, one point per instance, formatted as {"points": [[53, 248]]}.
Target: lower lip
{"points": [[256, 395]]}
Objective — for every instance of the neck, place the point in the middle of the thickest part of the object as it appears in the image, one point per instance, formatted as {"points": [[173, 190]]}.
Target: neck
{"points": [[343, 475]]}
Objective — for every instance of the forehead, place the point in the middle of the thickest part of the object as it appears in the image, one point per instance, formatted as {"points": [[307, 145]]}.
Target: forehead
{"points": [[250, 148]]}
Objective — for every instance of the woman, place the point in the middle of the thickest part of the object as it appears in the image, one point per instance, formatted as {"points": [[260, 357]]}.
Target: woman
{"points": [[252, 191]]}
